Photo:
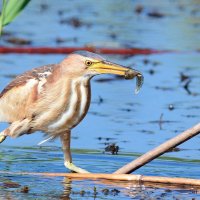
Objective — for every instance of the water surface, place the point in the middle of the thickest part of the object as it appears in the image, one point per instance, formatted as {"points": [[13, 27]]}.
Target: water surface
{"points": [[166, 105]]}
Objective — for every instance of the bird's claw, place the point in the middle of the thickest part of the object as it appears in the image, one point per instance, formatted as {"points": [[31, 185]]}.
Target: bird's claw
{"points": [[74, 168], [2, 137]]}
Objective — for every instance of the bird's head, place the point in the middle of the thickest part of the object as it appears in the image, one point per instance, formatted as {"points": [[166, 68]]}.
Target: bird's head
{"points": [[88, 64]]}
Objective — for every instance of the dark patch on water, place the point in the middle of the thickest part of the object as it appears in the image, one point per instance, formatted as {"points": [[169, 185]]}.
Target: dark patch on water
{"points": [[18, 41], [156, 14]]}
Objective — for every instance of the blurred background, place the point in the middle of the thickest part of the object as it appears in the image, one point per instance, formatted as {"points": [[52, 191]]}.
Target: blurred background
{"points": [[167, 104]]}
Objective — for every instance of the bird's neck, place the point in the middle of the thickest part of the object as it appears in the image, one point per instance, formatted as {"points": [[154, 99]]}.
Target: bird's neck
{"points": [[71, 100], [81, 86]]}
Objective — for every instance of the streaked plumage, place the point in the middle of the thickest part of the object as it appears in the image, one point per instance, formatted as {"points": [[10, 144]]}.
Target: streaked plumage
{"points": [[53, 98], [46, 102]]}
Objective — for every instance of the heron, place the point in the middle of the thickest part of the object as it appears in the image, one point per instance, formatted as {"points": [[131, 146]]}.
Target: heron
{"points": [[54, 98]]}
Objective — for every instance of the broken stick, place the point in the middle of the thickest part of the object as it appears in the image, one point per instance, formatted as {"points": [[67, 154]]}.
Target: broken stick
{"points": [[154, 153], [138, 179]]}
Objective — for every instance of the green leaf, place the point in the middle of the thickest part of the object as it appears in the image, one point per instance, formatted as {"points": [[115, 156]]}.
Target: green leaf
{"points": [[10, 9], [2, 15]]}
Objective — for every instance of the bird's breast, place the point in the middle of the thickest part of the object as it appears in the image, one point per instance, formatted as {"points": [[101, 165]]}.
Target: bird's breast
{"points": [[76, 106]]}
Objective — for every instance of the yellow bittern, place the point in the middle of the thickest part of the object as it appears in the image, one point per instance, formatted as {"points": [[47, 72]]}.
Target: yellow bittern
{"points": [[55, 98]]}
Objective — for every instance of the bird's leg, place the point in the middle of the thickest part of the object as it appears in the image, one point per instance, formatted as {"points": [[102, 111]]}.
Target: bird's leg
{"points": [[16, 129], [65, 139]]}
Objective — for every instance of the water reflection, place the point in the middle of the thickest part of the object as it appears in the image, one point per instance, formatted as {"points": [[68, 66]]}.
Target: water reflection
{"points": [[67, 183], [43, 187]]}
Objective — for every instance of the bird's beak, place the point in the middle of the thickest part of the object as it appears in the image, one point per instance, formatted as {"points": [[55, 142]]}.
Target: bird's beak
{"points": [[106, 67]]}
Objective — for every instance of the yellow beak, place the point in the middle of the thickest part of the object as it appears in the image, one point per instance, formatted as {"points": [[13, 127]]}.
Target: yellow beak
{"points": [[106, 67]]}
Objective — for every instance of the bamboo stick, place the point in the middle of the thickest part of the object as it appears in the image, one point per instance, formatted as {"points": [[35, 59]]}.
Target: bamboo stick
{"points": [[156, 152], [140, 179]]}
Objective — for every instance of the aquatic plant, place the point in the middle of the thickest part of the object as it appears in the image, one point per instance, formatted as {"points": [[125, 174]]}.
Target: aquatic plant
{"points": [[10, 9]]}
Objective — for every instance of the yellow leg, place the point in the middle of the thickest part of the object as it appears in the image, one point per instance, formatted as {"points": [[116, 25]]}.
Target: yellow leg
{"points": [[65, 139], [74, 168]]}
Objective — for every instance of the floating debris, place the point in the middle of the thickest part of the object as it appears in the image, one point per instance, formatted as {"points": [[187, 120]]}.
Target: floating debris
{"points": [[171, 107], [75, 22], [139, 9], [113, 148], [146, 61], [100, 101], [99, 138], [155, 14], [186, 80], [151, 71], [61, 12], [18, 41], [24, 189], [113, 35], [146, 131], [163, 88], [186, 86], [60, 40], [126, 109], [11, 184], [115, 192], [184, 77], [105, 191], [44, 7], [155, 63], [82, 193]]}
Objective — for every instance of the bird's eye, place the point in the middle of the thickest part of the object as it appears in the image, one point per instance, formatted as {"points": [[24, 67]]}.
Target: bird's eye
{"points": [[88, 62]]}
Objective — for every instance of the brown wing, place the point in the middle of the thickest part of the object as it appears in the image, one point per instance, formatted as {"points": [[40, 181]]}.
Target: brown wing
{"points": [[16, 98], [35, 73]]}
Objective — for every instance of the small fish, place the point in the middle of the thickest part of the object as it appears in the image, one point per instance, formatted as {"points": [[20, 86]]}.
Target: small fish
{"points": [[130, 74]]}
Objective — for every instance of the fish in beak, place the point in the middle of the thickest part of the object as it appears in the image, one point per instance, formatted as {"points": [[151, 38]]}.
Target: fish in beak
{"points": [[106, 67]]}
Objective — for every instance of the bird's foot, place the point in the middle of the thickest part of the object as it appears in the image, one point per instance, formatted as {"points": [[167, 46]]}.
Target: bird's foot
{"points": [[2, 137], [74, 168]]}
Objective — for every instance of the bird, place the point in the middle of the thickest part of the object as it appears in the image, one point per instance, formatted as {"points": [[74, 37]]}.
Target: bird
{"points": [[55, 98]]}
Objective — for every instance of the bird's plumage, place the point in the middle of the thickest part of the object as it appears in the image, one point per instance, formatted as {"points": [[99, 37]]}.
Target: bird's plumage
{"points": [[89, 54], [36, 73], [51, 104], [26, 88], [54, 98]]}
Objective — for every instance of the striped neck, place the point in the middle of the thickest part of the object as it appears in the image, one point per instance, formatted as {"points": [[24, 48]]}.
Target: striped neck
{"points": [[76, 104]]}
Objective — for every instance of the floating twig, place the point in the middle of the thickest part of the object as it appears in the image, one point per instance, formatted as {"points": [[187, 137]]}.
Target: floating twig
{"points": [[138, 179], [154, 153]]}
